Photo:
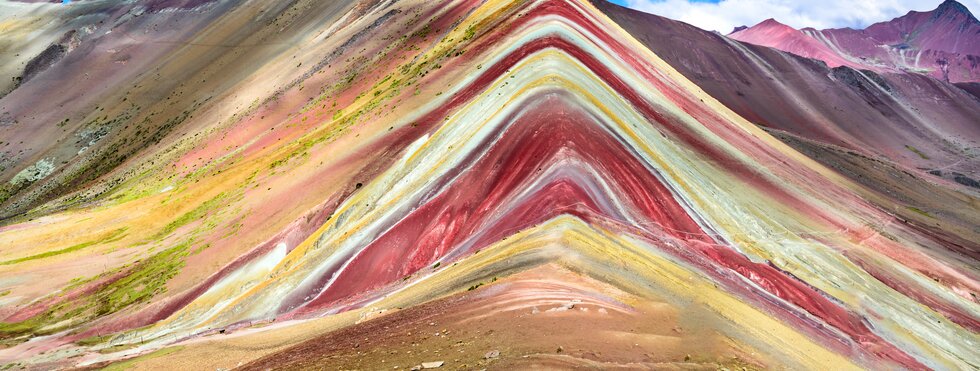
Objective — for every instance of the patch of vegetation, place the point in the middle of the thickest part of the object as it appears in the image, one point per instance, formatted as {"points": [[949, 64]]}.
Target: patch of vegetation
{"points": [[147, 279], [919, 211], [470, 33], [93, 340], [129, 363], [196, 214], [112, 236], [916, 151], [137, 283]]}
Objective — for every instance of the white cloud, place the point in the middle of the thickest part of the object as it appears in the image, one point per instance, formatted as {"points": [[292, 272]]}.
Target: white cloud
{"points": [[727, 14]]}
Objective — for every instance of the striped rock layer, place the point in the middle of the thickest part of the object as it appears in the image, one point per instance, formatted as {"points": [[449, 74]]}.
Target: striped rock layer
{"points": [[485, 140]]}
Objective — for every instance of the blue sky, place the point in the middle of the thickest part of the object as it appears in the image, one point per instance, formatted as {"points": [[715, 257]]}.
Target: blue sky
{"points": [[723, 15]]}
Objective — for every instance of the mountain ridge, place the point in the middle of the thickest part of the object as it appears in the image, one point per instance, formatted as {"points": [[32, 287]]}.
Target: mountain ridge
{"points": [[942, 43]]}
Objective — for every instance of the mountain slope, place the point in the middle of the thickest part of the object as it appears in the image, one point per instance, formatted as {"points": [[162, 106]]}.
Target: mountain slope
{"points": [[879, 115], [836, 121], [132, 73], [474, 164]]}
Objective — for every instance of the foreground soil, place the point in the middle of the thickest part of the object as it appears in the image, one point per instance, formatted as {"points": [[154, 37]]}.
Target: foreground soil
{"points": [[547, 317]]}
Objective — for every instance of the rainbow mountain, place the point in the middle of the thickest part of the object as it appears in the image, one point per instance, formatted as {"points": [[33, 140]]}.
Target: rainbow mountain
{"points": [[470, 184]]}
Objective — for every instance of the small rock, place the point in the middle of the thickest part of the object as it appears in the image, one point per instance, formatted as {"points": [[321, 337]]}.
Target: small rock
{"points": [[560, 349], [567, 306], [416, 367], [435, 364], [492, 354]]}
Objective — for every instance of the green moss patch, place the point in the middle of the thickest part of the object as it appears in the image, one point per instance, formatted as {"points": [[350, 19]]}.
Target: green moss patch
{"points": [[917, 151], [113, 236], [129, 363], [197, 213], [142, 281]]}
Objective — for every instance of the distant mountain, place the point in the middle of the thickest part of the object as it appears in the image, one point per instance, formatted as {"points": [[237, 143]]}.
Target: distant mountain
{"points": [[949, 28], [942, 43], [780, 36]]}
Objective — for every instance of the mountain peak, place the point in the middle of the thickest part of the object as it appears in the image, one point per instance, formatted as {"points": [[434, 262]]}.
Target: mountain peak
{"points": [[953, 6], [768, 24], [771, 22]]}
